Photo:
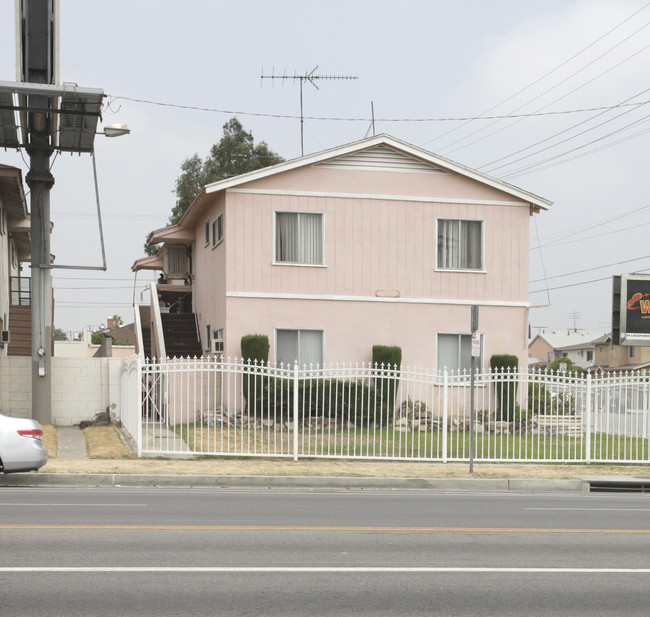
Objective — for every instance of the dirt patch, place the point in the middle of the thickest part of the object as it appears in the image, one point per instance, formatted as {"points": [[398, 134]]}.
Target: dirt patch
{"points": [[50, 441], [104, 442]]}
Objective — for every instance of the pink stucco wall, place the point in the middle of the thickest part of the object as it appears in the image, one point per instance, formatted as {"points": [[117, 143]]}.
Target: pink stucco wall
{"points": [[380, 236]]}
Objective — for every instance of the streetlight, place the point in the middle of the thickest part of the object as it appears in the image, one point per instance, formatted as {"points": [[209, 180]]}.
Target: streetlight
{"points": [[115, 130]]}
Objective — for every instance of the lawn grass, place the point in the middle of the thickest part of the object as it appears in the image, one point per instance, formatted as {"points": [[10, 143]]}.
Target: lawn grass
{"points": [[408, 445]]}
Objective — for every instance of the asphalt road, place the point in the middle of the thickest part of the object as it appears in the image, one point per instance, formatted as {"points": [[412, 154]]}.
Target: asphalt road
{"points": [[280, 552]]}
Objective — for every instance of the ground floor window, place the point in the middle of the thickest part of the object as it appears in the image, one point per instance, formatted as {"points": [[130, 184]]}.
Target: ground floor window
{"points": [[302, 346], [455, 352]]}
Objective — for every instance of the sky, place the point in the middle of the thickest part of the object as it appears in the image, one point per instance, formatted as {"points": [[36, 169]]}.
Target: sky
{"points": [[549, 96]]}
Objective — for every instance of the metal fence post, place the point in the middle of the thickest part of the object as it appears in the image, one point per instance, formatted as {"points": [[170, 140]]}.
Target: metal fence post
{"points": [[139, 401], [445, 399], [588, 426], [295, 411]]}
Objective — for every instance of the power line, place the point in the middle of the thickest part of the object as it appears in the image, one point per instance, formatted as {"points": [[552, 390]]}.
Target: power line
{"points": [[607, 278], [493, 169], [557, 99], [580, 230], [542, 166], [559, 66], [567, 152], [361, 119], [617, 263]]}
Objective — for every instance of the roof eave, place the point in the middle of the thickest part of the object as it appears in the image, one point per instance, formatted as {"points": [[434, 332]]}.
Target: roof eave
{"points": [[537, 203]]}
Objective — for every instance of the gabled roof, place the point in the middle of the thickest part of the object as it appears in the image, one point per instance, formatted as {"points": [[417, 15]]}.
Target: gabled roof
{"points": [[427, 159], [570, 340]]}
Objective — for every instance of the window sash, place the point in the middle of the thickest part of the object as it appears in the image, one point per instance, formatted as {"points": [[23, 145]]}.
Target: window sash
{"points": [[217, 230], [460, 244], [302, 346], [299, 238], [454, 353]]}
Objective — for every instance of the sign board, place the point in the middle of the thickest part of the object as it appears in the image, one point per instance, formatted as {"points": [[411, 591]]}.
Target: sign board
{"points": [[634, 309], [476, 345]]}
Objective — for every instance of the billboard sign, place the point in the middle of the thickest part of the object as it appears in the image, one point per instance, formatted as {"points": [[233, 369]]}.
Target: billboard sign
{"points": [[634, 309]]}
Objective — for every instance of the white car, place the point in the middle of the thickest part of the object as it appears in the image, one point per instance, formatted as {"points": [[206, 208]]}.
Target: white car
{"points": [[21, 445]]}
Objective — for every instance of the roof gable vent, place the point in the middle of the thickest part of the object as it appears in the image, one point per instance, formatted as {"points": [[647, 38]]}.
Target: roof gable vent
{"points": [[381, 158]]}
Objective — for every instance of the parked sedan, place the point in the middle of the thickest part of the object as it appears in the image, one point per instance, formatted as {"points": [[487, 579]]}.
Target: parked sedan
{"points": [[21, 445]]}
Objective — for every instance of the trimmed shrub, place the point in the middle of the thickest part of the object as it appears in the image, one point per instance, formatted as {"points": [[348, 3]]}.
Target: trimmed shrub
{"points": [[255, 350], [255, 347], [506, 392], [353, 401], [391, 359]]}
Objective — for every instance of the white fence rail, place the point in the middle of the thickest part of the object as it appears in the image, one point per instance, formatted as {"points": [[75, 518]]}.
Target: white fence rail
{"points": [[233, 408]]}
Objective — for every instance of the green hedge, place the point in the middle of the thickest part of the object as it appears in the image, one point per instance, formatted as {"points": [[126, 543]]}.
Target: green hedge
{"points": [[254, 349], [506, 393], [390, 358], [353, 401]]}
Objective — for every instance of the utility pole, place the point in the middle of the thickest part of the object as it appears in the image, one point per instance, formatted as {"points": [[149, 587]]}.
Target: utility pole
{"points": [[307, 77], [38, 48], [42, 117]]}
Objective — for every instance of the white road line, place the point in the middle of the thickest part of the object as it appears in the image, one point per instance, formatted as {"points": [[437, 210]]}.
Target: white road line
{"points": [[593, 509], [76, 505], [319, 569]]}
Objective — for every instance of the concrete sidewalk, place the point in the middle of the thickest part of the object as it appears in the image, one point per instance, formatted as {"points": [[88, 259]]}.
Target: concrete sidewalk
{"points": [[72, 447]]}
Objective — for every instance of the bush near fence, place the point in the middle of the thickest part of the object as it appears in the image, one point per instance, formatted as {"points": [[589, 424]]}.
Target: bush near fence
{"points": [[354, 401], [563, 417]]}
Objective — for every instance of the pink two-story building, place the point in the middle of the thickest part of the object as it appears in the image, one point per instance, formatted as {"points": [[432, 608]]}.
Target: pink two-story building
{"points": [[377, 242]]}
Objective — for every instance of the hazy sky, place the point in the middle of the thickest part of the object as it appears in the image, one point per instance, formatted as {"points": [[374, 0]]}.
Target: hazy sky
{"points": [[574, 74]]}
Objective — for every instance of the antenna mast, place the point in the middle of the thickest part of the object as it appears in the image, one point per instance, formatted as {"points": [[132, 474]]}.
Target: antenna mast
{"points": [[307, 77]]}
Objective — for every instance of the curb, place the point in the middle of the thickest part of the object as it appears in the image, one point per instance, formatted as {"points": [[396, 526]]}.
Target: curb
{"points": [[502, 485]]}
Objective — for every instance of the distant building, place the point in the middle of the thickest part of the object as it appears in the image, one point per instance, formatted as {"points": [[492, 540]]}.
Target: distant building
{"points": [[579, 346]]}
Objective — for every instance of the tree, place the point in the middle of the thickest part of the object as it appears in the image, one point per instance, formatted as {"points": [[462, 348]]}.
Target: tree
{"points": [[571, 367], [235, 154], [117, 321], [60, 335]]}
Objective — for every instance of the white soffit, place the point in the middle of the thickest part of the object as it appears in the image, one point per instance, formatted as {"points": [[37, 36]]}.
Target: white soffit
{"points": [[381, 158]]}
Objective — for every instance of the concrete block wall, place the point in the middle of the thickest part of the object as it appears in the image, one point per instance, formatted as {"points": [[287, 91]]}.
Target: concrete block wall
{"points": [[81, 388]]}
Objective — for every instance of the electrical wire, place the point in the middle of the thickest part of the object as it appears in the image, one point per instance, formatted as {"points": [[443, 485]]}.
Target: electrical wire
{"points": [[447, 152], [541, 166], [607, 278], [536, 81], [361, 119], [565, 236], [493, 169], [570, 151], [616, 263]]}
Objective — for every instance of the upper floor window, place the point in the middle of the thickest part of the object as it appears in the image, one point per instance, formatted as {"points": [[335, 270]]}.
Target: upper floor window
{"points": [[206, 232], [460, 244], [217, 230], [298, 238]]}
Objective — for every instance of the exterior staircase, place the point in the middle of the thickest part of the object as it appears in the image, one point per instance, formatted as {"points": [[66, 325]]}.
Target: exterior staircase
{"points": [[181, 335]]}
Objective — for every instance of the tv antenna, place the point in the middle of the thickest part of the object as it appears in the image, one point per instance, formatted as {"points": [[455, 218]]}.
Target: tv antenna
{"points": [[575, 316], [307, 77]]}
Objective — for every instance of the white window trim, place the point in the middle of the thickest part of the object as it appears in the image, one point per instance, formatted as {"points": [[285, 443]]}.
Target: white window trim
{"points": [[206, 233], [274, 261], [216, 241], [482, 269], [479, 365]]}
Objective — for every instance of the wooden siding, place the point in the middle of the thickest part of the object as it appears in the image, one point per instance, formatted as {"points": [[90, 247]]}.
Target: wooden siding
{"points": [[20, 328], [373, 245]]}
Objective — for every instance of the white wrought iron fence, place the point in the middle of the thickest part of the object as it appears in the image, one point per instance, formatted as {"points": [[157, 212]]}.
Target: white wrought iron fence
{"points": [[234, 408]]}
